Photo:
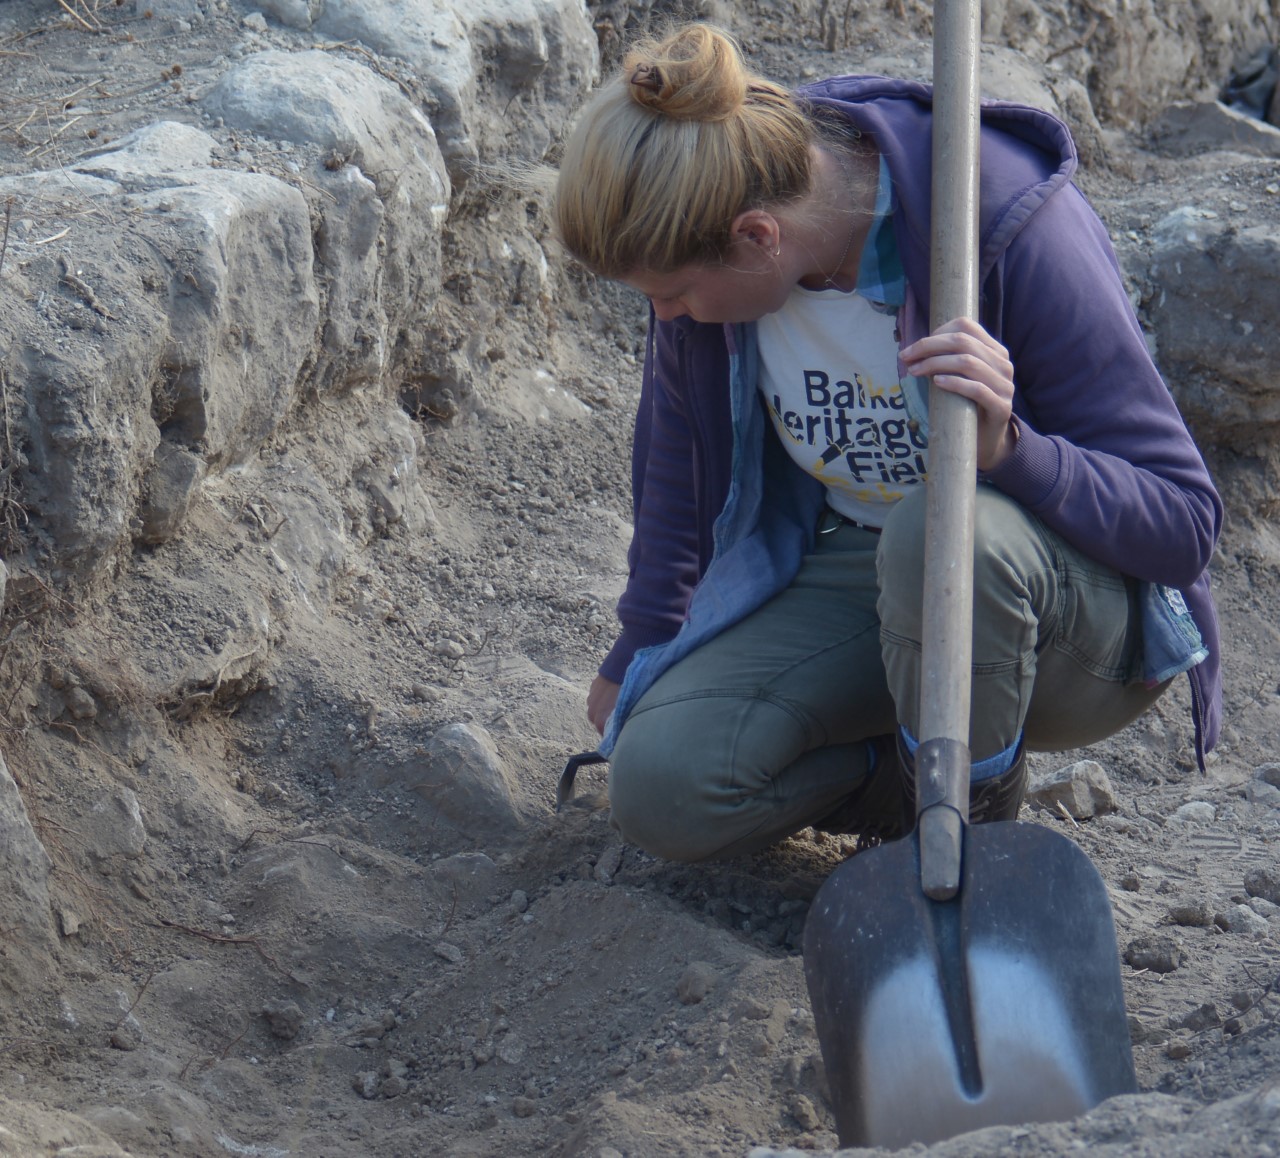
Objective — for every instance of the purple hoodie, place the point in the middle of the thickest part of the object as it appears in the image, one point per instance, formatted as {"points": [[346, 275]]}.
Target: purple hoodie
{"points": [[1103, 458]]}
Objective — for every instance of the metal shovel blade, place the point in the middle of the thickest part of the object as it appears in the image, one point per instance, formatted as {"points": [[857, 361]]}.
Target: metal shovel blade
{"points": [[1002, 1006]]}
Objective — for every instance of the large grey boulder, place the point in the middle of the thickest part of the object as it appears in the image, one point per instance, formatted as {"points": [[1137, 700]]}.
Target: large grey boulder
{"points": [[498, 74], [385, 194], [1214, 317]]}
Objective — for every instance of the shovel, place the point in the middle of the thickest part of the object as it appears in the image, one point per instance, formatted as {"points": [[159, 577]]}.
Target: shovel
{"points": [[960, 977]]}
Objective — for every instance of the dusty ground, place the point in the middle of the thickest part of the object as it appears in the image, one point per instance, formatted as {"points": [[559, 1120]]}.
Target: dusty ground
{"points": [[290, 942]]}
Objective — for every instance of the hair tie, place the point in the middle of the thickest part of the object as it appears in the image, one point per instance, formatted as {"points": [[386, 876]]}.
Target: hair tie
{"points": [[646, 76]]}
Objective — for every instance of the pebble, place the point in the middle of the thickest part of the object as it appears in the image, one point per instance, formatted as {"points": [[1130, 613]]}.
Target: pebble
{"points": [[803, 1111], [1263, 793], [1264, 907], [1242, 919], [753, 1009], [1142, 1033], [1264, 883], [1192, 914], [1157, 953], [608, 864], [284, 1018], [1203, 1017], [1196, 812], [450, 953], [125, 1038], [523, 1107], [80, 704], [695, 982]]}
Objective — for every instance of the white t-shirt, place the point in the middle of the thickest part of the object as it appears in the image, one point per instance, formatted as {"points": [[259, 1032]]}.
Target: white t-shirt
{"points": [[829, 375]]}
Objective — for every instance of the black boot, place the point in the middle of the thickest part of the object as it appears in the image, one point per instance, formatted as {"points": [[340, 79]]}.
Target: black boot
{"points": [[883, 806], [1000, 797], [996, 798]]}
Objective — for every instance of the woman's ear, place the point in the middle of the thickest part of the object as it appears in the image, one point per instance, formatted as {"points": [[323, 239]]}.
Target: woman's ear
{"points": [[758, 228]]}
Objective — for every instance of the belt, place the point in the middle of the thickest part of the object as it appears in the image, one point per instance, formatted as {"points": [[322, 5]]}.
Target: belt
{"points": [[832, 520]]}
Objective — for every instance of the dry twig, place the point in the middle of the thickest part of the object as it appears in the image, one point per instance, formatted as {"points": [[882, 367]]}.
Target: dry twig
{"points": [[223, 939]]}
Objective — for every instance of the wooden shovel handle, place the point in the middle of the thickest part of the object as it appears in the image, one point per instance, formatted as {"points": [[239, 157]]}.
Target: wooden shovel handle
{"points": [[947, 643]]}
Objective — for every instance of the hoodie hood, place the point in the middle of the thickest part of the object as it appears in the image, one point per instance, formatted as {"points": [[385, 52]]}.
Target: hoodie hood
{"points": [[1026, 155]]}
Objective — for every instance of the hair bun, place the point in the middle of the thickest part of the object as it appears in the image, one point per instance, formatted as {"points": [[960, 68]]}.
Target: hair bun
{"points": [[697, 74]]}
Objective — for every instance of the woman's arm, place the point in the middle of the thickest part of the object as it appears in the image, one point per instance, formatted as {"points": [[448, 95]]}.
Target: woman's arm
{"points": [[1102, 454], [663, 557]]}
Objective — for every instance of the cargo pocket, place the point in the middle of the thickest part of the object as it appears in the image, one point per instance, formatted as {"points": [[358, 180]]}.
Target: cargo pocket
{"points": [[1099, 620]]}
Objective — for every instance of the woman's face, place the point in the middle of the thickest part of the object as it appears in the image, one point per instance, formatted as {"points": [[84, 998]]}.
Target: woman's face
{"points": [[750, 283]]}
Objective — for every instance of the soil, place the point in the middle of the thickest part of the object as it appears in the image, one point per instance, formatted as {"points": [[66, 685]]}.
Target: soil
{"points": [[278, 929]]}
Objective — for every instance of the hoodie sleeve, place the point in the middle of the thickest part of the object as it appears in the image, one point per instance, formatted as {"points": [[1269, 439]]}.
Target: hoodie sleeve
{"points": [[1103, 456], [663, 556]]}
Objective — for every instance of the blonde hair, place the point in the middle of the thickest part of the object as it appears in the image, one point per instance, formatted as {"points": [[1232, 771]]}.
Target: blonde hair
{"points": [[671, 150]]}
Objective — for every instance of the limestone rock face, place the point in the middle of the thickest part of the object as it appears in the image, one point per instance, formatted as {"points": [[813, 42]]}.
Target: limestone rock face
{"points": [[24, 867]]}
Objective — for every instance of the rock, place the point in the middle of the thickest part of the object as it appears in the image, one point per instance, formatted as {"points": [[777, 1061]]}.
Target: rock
{"points": [[293, 13], [697, 980], [547, 48], [1213, 276], [1263, 882], [114, 828], [1267, 773], [1197, 914], [1195, 812], [366, 1084], [511, 1049], [469, 876], [450, 953], [1189, 127], [284, 1018], [68, 922], [170, 487], [803, 1111], [80, 704], [523, 1107], [125, 1037], [520, 900], [1264, 907], [753, 1009], [1157, 953], [1243, 920], [393, 1086], [1203, 1017], [242, 319], [1262, 793], [1144, 1033], [608, 864], [460, 774], [1083, 789], [1177, 1050]]}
